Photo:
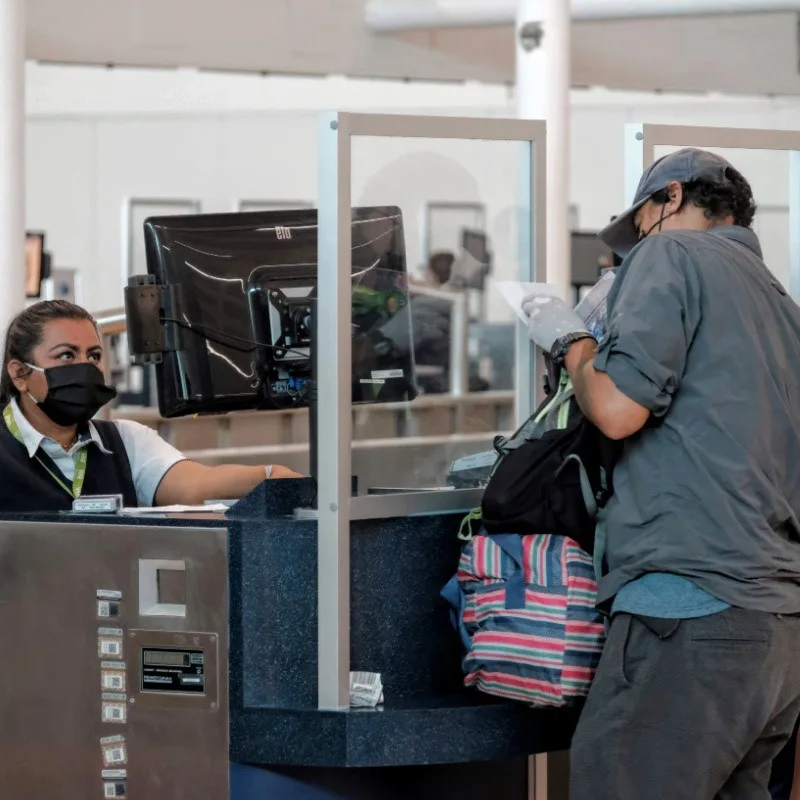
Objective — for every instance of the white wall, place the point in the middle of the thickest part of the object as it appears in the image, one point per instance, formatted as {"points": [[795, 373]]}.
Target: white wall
{"points": [[218, 139], [67, 89]]}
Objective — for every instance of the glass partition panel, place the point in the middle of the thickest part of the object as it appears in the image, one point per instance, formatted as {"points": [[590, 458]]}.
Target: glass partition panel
{"points": [[433, 367], [767, 172], [394, 427], [769, 159], [444, 222]]}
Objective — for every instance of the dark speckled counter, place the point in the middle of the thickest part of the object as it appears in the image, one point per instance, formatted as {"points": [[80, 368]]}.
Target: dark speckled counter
{"points": [[399, 626]]}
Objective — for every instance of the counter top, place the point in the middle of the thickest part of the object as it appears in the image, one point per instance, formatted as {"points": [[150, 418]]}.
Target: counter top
{"points": [[466, 727], [193, 520]]}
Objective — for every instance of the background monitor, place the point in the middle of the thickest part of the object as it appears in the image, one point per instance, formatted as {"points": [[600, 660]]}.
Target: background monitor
{"points": [[474, 262], [476, 244], [589, 257], [239, 296], [34, 264]]}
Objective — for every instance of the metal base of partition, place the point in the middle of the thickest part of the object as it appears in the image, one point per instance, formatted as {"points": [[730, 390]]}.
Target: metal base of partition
{"points": [[383, 506]]}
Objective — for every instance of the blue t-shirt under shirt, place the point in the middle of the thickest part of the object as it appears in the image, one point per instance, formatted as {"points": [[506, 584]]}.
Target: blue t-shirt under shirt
{"points": [[658, 594], [665, 596]]}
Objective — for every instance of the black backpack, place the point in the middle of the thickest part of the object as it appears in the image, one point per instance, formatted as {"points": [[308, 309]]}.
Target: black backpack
{"points": [[553, 474]]}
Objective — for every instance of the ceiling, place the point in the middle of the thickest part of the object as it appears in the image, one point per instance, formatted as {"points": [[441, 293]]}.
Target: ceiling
{"points": [[755, 53]]}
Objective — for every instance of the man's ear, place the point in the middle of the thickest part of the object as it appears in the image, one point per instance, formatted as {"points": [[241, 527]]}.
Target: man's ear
{"points": [[675, 195]]}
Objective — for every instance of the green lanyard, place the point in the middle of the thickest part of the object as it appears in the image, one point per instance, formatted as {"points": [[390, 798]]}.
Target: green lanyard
{"points": [[80, 461]]}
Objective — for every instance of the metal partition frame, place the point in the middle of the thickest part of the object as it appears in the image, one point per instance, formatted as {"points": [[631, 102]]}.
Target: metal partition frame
{"points": [[335, 506], [642, 140]]}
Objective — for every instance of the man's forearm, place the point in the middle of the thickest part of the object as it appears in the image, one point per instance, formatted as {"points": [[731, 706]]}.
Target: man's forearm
{"points": [[613, 412], [579, 365]]}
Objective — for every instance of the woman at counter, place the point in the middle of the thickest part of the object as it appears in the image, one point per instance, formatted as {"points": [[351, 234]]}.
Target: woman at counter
{"points": [[50, 452]]}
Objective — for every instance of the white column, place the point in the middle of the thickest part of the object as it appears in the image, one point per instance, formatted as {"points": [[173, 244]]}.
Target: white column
{"points": [[12, 160], [543, 92]]}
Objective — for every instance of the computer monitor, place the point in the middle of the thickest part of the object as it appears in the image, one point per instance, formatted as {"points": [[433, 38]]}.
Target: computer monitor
{"points": [[476, 244], [34, 264], [227, 310], [589, 258], [474, 262]]}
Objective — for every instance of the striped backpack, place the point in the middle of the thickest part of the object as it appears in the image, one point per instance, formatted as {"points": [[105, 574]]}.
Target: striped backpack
{"points": [[525, 609]]}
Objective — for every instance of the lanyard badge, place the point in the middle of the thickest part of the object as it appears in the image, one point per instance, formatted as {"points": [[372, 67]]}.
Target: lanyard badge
{"points": [[80, 460]]}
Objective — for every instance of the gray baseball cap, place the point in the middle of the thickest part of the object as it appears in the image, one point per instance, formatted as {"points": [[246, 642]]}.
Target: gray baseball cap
{"points": [[683, 166]]}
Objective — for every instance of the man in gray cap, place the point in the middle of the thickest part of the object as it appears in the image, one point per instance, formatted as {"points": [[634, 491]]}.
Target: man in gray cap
{"points": [[699, 684]]}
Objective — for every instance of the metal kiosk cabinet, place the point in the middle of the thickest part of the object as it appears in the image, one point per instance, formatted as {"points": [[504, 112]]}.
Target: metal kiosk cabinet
{"points": [[114, 664]]}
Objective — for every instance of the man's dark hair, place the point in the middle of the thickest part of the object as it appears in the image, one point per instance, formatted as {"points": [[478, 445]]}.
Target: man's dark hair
{"points": [[25, 334], [719, 200], [441, 265]]}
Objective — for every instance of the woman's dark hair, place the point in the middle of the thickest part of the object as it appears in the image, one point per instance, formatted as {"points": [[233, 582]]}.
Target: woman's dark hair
{"points": [[441, 265], [25, 334], [720, 200]]}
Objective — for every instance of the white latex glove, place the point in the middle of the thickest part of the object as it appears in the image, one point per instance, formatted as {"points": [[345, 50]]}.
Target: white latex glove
{"points": [[550, 318]]}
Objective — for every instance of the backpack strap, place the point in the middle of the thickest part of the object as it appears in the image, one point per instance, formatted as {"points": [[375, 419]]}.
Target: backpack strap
{"points": [[511, 545], [564, 393], [532, 429], [453, 593], [586, 487]]}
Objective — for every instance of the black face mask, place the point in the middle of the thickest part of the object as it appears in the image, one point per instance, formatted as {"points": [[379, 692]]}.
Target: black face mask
{"points": [[75, 393]]}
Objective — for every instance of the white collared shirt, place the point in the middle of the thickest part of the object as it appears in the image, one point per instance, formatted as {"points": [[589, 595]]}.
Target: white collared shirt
{"points": [[149, 455]]}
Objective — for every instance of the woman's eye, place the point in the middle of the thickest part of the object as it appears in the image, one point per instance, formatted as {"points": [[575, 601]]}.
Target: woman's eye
{"points": [[64, 356], [95, 357]]}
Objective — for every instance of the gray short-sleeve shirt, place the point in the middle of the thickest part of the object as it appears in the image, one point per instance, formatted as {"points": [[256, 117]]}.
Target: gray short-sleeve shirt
{"points": [[702, 335]]}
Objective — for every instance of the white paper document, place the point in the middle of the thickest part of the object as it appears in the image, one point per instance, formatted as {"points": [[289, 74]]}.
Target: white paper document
{"points": [[514, 292], [213, 507], [591, 309], [366, 690]]}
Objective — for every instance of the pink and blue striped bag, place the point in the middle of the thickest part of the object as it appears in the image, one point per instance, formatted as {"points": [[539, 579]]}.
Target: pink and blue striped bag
{"points": [[525, 609]]}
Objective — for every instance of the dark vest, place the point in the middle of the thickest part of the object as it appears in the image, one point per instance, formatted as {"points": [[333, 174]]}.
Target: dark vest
{"points": [[26, 486]]}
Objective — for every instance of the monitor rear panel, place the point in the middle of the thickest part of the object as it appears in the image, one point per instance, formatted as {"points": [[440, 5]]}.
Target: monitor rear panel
{"points": [[225, 266]]}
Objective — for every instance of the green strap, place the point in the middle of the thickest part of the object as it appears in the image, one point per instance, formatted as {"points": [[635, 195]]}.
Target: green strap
{"points": [[80, 460], [563, 415], [562, 394], [465, 529]]}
